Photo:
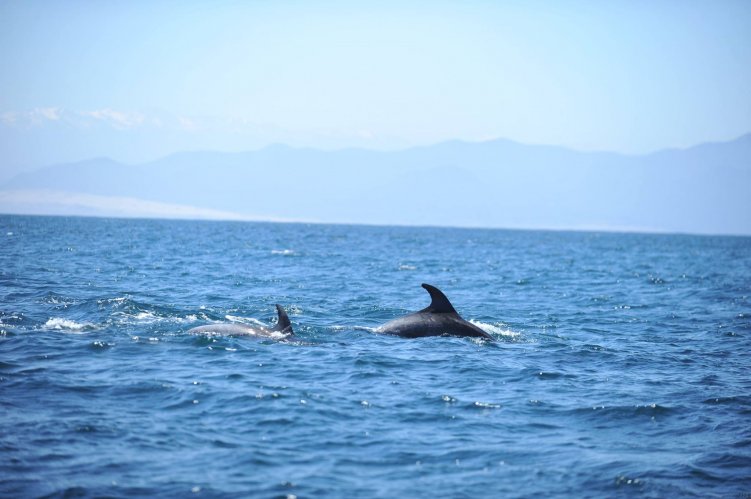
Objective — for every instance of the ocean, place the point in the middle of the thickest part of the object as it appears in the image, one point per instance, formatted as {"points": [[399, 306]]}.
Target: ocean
{"points": [[621, 366]]}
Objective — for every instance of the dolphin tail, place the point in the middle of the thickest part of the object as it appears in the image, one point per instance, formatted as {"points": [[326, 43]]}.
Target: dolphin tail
{"points": [[439, 304], [283, 323]]}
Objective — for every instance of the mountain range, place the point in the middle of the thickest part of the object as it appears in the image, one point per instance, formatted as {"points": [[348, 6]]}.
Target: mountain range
{"points": [[498, 183]]}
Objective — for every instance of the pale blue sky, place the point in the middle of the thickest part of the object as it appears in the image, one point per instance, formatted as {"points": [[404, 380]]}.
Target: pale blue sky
{"points": [[631, 76]]}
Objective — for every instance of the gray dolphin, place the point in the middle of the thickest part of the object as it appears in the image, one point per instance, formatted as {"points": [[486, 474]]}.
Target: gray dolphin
{"points": [[282, 330], [438, 319]]}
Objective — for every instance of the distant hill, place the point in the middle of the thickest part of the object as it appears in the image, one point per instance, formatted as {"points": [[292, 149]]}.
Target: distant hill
{"points": [[499, 183]]}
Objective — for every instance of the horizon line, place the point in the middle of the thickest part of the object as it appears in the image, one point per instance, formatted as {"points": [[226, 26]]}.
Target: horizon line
{"points": [[583, 230]]}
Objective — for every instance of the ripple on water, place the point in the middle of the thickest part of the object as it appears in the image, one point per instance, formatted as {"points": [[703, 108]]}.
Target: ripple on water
{"points": [[631, 413]]}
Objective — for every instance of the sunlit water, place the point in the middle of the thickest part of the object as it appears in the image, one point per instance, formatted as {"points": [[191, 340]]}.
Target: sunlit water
{"points": [[622, 365]]}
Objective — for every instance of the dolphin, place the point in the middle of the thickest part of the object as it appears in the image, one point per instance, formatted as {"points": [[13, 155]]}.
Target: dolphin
{"points": [[282, 330], [438, 319]]}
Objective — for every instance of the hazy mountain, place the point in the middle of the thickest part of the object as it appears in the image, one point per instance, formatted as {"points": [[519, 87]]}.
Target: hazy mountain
{"points": [[498, 183], [52, 135]]}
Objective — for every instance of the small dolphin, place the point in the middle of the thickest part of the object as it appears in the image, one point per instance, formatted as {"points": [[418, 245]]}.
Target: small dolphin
{"points": [[438, 319], [282, 330]]}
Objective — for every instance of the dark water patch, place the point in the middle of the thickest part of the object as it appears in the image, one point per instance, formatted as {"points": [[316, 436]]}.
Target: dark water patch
{"points": [[545, 375], [725, 462], [739, 401], [631, 413], [8, 366]]}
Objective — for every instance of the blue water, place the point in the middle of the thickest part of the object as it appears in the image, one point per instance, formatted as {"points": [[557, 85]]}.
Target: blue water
{"points": [[622, 366]]}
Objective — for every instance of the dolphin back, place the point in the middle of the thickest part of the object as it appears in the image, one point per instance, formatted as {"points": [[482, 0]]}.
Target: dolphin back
{"points": [[439, 304], [283, 325], [438, 319]]}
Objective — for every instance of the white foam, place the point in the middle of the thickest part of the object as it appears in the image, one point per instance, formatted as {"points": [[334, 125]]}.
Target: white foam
{"points": [[9, 317], [495, 330], [361, 328], [244, 320], [277, 335], [487, 405], [60, 324], [283, 252], [179, 320], [147, 317], [118, 299]]}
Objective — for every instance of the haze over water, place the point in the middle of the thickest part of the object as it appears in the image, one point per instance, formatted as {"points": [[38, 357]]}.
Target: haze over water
{"points": [[620, 367]]}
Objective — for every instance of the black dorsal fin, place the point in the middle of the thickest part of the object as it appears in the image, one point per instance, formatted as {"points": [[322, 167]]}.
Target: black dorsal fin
{"points": [[439, 303], [283, 323]]}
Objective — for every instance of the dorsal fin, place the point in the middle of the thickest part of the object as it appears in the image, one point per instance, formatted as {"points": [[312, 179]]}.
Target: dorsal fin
{"points": [[439, 303], [283, 323]]}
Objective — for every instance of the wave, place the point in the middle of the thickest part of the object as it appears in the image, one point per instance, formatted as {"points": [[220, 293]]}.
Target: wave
{"points": [[494, 330], [60, 324], [124, 310]]}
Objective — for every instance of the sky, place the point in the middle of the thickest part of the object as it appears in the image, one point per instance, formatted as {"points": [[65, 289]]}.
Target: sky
{"points": [[136, 80]]}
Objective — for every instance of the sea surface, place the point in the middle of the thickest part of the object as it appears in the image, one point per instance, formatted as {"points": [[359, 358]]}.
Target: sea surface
{"points": [[622, 366]]}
